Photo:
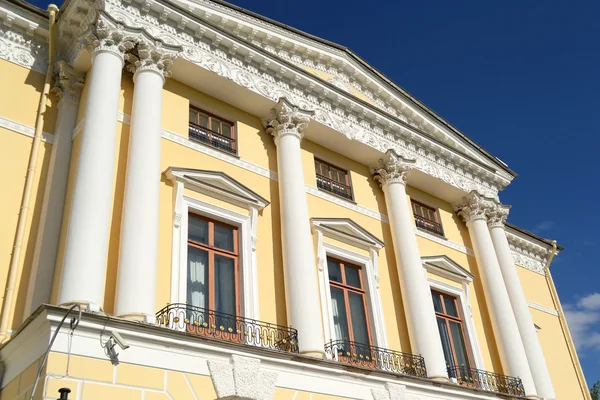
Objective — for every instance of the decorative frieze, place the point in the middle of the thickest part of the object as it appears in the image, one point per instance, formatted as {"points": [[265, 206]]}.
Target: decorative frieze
{"points": [[392, 168], [19, 48]]}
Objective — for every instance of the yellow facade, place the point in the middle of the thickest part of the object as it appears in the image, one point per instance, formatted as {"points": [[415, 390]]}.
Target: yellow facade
{"points": [[96, 378]]}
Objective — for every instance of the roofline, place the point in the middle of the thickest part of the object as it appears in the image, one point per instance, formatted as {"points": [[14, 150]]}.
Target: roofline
{"points": [[30, 7], [534, 236], [381, 75]]}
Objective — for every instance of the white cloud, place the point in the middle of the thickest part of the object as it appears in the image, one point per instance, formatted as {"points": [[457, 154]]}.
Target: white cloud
{"points": [[584, 322], [544, 226]]}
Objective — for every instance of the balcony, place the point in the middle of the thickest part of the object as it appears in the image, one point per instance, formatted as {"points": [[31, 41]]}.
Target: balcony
{"points": [[362, 355], [231, 328], [428, 225], [329, 185], [479, 379], [204, 135]]}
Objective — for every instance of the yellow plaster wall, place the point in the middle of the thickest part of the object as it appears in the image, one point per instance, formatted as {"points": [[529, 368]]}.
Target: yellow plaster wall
{"points": [[535, 287]]}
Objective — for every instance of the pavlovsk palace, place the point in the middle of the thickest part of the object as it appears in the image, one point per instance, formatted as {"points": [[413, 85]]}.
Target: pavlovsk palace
{"points": [[234, 209]]}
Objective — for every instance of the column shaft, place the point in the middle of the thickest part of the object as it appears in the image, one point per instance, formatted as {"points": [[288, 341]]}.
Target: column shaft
{"points": [[138, 255], [506, 332], [533, 348], [84, 269]]}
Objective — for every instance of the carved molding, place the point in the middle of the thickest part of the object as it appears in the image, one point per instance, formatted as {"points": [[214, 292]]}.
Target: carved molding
{"points": [[392, 391], [108, 37], [147, 56], [473, 207], [19, 48], [286, 119], [542, 308], [497, 215], [392, 168], [68, 83], [242, 378]]}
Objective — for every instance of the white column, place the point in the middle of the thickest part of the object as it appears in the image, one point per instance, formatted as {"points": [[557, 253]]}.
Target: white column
{"points": [[138, 252], [68, 89], [473, 210], [286, 123], [86, 251], [531, 342], [416, 294]]}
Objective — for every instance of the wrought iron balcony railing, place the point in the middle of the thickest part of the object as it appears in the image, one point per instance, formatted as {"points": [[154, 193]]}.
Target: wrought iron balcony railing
{"points": [[334, 187], [485, 380], [231, 328], [212, 138], [373, 357], [429, 225]]}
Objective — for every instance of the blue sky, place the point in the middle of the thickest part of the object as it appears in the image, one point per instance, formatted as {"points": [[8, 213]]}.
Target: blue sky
{"points": [[521, 78]]}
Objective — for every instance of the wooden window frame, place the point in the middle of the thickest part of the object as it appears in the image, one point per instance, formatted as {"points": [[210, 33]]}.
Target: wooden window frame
{"points": [[459, 320], [436, 213], [347, 288], [234, 136], [212, 251], [345, 171]]}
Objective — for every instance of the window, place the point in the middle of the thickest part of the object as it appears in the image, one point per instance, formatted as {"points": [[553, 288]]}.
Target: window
{"points": [[348, 302], [451, 330], [427, 218], [333, 179], [212, 130], [212, 268]]}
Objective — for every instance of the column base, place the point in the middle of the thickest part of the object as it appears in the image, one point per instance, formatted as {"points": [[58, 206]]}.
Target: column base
{"points": [[145, 318], [313, 353], [533, 397], [442, 379], [85, 306]]}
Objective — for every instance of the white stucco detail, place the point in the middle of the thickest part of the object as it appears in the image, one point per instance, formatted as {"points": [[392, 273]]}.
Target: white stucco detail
{"points": [[242, 378]]}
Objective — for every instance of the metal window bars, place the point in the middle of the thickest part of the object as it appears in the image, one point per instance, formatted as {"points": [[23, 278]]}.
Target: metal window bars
{"points": [[212, 138], [334, 187], [485, 380]]}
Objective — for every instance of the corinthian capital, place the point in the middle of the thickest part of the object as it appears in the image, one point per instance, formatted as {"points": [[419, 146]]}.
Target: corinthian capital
{"points": [[286, 118], [68, 83], [474, 206], [107, 37], [147, 56], [497, 215], [392, 168]]}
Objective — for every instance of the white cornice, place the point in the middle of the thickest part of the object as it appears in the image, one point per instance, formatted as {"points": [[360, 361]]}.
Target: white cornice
{"points": [[542, 308], [24, 129]]}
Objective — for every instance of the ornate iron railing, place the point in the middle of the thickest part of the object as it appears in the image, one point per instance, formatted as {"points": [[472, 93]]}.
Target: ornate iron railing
{"points": [[232, 328], [363, 355], [429, 225], [334, 187], [214, 139], [485, 380]]}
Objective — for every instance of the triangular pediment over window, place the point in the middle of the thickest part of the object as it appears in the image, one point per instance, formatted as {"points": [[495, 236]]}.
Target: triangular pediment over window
{"points": [[216, 184], [446, 267], [347, 230]]}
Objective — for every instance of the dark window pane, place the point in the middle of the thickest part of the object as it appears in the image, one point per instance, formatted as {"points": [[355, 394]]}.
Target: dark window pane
{"points": [[226, 130], [338, 309], [215, 124], [197, 277], [197, 229], [335, 272], [459, 344], [437, 302], [193, 116], [223, 237], [359, 319], [450, 304], [224, 284], [445, 337], [203, 121], [352, 277]]}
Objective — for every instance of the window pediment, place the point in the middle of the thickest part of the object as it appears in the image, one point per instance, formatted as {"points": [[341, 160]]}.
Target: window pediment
{"points": [[446, 267], [217, 184], [346, 230]]}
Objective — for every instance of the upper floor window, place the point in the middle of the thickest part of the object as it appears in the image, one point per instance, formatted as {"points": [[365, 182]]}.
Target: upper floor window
{"points": [[333, 179], [212, 267], [212, 130], [348, 302], [427, 218], [450, 326]]}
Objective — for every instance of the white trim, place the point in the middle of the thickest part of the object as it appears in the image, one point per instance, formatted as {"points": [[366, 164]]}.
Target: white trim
{"points": [[23, 129], [444, 241], [539, 307], [464, 298], [345, 203]]}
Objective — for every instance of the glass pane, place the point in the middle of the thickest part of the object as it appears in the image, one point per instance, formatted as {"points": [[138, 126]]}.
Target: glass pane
{"points": [[224, 284], [437, 302], [445, 337], [197, 229], [197, 277], [203, 121], [223, 237], [353, 277], [215, 125], [459, 344], [335, 273], [193, 116], [417, 209], [318, 167], [338, 309], [226, 130], [359, 319], [450, 304]]}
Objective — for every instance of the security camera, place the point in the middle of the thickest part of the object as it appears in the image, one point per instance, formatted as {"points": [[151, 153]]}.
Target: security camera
{"points": [[119, 340]]}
